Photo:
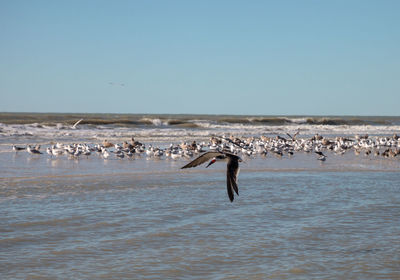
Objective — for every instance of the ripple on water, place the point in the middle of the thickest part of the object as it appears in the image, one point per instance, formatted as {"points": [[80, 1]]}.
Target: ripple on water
{"points": [[284, 225]]}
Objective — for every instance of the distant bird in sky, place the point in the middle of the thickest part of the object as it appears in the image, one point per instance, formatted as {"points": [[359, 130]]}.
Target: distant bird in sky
{"points": [[116, 84], [232, 170]]}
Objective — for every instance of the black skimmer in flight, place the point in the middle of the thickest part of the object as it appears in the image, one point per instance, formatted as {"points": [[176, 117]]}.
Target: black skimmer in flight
{"points": [[232, 170]]}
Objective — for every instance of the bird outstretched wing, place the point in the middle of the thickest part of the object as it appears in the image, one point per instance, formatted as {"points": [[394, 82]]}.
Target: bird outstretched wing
{"points": [[75, 124], [201, 159], [231, 177]]}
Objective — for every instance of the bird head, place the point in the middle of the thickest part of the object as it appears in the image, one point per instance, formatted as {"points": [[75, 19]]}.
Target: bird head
{"points": [[211, 162]]}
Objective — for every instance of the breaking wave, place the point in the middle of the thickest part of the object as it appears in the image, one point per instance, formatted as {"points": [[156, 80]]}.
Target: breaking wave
{"points": [[48, 128], [53, 119]]}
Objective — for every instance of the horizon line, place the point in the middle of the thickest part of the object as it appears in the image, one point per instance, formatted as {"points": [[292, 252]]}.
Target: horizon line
{"points": [[199, 114]]}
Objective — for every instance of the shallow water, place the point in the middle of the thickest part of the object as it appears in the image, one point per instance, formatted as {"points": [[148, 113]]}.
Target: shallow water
{"points": [[295, 218]]}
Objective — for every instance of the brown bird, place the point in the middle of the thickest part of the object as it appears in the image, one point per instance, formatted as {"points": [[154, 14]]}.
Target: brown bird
{"points": [[232, 169], [107, 144]]}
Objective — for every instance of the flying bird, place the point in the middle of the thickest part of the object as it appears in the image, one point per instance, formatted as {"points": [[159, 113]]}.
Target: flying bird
{"points": [[232, 169], [116, 84], [75, 124], [294, 136]]}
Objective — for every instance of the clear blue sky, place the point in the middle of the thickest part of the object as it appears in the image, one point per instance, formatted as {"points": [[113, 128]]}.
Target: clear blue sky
{"points": [[205, 57]]}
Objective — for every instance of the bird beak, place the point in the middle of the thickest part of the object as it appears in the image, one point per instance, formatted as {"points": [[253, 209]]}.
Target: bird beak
{"points": [[211, 162]]}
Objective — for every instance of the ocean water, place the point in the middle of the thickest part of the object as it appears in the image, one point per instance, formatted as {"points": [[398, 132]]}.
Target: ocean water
{"points": [[41, 128], [145, 218]]}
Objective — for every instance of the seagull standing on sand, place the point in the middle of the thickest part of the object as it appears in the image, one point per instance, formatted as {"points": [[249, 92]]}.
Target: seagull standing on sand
{"points": [[232, 170]]}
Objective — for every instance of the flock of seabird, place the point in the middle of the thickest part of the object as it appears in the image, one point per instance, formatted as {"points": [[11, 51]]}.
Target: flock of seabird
{"points": [[230, 149]]}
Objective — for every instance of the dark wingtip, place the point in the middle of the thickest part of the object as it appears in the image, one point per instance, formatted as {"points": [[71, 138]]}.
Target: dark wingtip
{"points": [[186, 166]]}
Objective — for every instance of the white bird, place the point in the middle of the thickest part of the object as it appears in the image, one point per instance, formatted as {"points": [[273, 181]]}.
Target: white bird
{"points": [[118, 147], [150, 151], [86, 152], [57, 151], [105, 153], [175, 154], [75, 124]]}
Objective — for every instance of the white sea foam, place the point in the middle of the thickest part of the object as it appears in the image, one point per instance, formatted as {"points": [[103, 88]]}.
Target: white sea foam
{"points": [[12, 132]]}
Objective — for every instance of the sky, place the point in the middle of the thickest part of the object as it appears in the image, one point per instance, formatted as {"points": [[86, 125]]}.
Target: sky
{"points": [[309, 57]]}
